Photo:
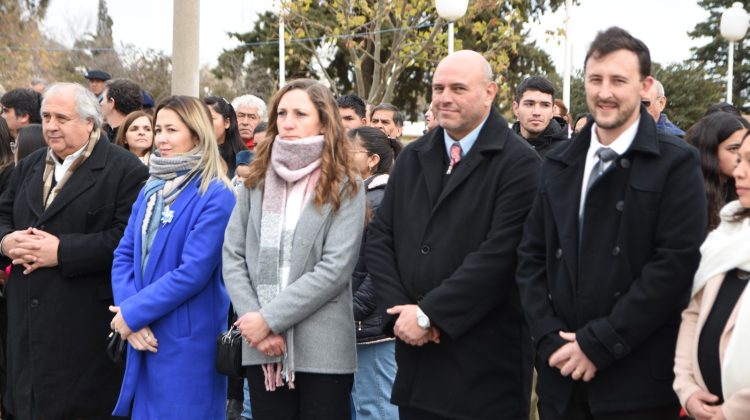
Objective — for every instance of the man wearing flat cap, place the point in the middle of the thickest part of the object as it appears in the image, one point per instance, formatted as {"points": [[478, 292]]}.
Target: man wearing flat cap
{"points": [[97, 81]]}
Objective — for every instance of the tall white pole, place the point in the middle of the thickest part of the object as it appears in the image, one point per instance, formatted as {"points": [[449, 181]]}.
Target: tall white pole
{"points": [[185, 38], [568, 55], [450, 38], [282, 48], [730, 76]]}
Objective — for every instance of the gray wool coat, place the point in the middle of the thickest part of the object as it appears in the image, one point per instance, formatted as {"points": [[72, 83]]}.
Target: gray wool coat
{"points": [[318, 300]]}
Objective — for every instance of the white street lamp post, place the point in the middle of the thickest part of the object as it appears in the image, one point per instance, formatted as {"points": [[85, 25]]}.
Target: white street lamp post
{"points": [[282, 45], [568, 55], [734, 24], [451, 10]]}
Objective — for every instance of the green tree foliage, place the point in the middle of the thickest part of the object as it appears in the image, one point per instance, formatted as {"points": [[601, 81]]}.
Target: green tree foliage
{"points": [[689, 90], [23, 48], [386, 50], [713, 56]]}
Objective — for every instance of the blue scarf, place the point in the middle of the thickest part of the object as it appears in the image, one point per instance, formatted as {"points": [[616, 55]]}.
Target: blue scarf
{"points": [[163, 170]]}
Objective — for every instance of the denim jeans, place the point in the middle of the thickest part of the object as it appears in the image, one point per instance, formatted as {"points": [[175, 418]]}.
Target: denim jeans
{"points": [[373, 382], [246, 401]]}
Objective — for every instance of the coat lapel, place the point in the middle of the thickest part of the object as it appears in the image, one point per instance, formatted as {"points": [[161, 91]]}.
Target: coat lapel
{"points": [[563, 190], [186, 197], [256, 210], [309, 224], [431, 158], [80, 181], [462, 171], [138, 245], [35, 188], [491, 138]]}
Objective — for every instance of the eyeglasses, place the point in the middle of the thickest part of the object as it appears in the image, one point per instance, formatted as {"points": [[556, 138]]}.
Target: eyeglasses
{"points": [[646, 102], [359, 151]]}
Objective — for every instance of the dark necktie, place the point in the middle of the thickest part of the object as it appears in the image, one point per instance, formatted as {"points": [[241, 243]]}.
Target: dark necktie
{"points": [[605, 155], [455, 156]]}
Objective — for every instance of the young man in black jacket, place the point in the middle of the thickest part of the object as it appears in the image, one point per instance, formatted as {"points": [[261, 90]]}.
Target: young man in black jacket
{"points": [[533, 108]]}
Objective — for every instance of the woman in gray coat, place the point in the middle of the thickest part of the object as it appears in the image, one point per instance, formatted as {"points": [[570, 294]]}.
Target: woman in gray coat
{"points": [[289, 251]]}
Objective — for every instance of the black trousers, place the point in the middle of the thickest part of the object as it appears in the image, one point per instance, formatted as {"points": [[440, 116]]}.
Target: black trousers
{"points": [[315, 396], [579, 409], [410, 413]]}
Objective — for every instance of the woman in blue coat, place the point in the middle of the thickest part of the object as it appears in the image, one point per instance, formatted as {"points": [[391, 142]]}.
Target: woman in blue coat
{"points": [[166, 275]]}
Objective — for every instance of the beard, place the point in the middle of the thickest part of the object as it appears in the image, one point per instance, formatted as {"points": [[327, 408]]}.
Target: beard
{"points": [[621, 117]]}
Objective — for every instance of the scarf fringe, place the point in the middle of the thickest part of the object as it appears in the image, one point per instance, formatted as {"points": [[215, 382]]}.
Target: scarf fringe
{"points": [[275, 375]]}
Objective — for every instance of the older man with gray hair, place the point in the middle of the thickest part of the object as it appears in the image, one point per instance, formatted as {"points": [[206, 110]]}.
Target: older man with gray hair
{"points": [[251, 110], [655, 102], [61, 218]]}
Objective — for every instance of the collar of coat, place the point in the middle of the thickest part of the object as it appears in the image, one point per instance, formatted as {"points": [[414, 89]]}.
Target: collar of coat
{"points": [[646, 141], [492, 137]]}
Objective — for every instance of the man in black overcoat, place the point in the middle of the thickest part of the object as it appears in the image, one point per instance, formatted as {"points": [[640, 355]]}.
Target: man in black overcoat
{"points": [[442, 255], [60, 220], [609, 250]]}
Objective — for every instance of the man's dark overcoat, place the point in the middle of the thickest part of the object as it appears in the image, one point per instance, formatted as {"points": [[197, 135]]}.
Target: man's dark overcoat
{"points": [[58, 318], [452, 249], [622, 287]]}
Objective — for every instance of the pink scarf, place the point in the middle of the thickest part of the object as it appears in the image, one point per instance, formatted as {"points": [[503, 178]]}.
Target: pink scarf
{"points": [[291, 178]]}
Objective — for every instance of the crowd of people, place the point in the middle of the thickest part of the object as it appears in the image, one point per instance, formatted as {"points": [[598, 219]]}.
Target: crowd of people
{"points": [[555, 268]]}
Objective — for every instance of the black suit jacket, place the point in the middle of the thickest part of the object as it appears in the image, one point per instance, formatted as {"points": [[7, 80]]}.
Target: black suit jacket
{"points": [[452, 249], [622, 287], [58, 317]]}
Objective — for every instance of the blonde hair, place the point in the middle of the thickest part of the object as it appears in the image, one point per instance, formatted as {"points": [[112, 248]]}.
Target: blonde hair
{"points": [[334, 164], [196, 116]]}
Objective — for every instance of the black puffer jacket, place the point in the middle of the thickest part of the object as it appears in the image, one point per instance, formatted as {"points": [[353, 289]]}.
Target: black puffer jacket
{"points": [[556, 132], [367, 320]]}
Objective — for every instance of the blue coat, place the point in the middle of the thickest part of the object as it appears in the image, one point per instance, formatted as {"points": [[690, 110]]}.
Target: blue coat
{"points": [[181, 296]]}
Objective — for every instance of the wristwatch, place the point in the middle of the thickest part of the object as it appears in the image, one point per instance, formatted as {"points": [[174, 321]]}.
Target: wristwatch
{"points": [[422, 320]]}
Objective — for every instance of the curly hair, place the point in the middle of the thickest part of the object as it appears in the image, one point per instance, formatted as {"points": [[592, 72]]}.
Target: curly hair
{"points": [[127, 94], [335, 165]]}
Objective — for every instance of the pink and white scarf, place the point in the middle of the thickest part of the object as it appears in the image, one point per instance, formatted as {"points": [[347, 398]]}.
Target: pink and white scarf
{"points": [[289, 184]]}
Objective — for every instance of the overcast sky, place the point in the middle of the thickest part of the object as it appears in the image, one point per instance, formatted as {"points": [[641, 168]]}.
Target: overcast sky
{"points": [[148, 24]]}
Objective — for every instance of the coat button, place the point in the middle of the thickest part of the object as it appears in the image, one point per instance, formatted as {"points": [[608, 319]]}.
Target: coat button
{"points": [[625, 163], [619, 349], [549, 297], [615, 251], [425, 249], [558, 253], [620, 205], [34, 303], [617, 295]]}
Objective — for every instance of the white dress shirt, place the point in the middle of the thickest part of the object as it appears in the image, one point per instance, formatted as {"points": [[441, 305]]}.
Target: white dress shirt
{"points": [[62, 167]]}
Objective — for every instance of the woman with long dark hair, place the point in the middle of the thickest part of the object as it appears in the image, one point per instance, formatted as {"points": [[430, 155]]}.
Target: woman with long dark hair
{"points": [[227, 134], [717, 137], [372, 154], [289, 251], [712, 368]]}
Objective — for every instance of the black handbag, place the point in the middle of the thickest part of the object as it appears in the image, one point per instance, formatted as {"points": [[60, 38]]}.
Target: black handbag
{"points": [[116, 347], [229, 353]]}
